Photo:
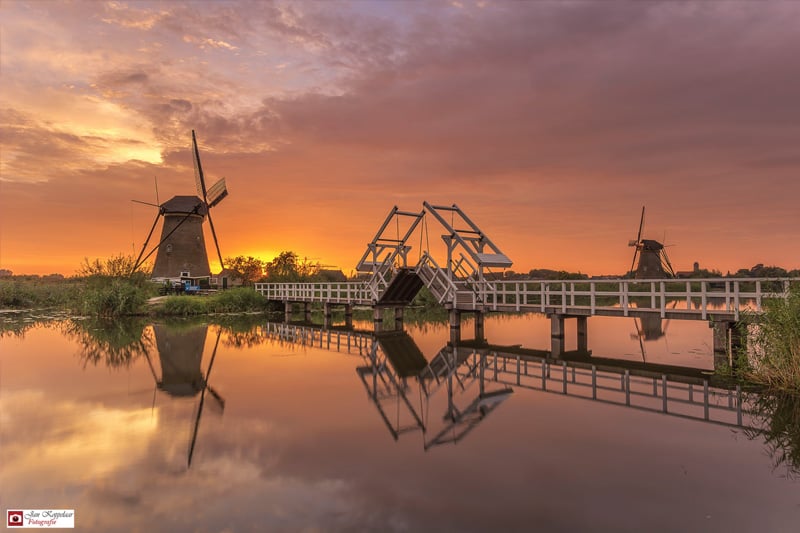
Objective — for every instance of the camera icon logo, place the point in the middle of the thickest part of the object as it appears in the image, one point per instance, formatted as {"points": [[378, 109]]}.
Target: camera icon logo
{"points": [[14, 518]]}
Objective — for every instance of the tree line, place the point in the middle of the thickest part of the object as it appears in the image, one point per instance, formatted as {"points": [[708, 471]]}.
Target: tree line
{"points": [[286, 267]]}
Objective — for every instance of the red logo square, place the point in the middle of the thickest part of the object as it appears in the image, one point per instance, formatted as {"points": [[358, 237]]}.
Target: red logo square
{"points": [[14, 518]]}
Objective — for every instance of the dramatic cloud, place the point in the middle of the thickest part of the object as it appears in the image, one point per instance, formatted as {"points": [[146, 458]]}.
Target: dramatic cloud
{"points": [[551, 123]]}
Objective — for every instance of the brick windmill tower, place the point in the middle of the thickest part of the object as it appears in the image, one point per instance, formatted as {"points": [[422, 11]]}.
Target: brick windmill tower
{"points": [[182, 248]]}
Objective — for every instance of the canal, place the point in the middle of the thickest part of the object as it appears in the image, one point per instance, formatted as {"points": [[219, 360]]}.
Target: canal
{"points": [[248, 425]]}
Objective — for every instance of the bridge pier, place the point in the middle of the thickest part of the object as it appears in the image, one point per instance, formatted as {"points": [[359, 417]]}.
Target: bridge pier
{"points": [[287, 312], [307, 311], [326, 314], [583, 334], [455, 325], [728, 342], [479, 326], [557, 333], [398, 318], [377, 318], [348, 315]]}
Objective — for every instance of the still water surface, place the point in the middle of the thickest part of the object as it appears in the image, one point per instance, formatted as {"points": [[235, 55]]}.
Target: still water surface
{"points": [[294, 437]]}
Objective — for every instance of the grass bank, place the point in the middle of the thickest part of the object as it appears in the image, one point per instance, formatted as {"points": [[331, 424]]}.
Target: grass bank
{"points": [[238, 300]]}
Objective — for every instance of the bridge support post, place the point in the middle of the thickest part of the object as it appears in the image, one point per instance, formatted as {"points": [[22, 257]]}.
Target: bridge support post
{"points": [[728, 342], [398, 318], [307, 311], [287, 311], [455, 325], [583, 334], [348, 315], [479, 327], [556, 335], [326, 311], [377, 318]]}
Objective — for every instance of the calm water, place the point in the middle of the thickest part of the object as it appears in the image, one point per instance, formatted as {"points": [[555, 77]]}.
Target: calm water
{"points": [[294, 437]]}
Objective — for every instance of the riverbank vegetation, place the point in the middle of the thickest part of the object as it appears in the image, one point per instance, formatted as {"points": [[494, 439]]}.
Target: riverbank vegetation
{"points": [[113, 287], [772, 354]]}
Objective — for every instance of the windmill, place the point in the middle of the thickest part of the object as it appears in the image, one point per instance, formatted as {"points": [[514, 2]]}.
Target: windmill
{"points": [[653, 260], [182, 248]]}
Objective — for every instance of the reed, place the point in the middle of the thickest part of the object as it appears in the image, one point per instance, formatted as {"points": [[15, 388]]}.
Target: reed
{"points": [[774, 353]]}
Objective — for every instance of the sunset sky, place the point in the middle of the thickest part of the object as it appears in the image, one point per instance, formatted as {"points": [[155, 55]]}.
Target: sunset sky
{"points": [[550, 123]]}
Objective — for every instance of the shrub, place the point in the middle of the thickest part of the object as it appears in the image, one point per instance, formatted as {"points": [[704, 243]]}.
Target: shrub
{"points": [[184, 306], [108, 297], [240, 299]]}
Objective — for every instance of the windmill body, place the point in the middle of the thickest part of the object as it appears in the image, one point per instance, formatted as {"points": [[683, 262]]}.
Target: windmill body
{"points": [[182, 250], [651, 262]]}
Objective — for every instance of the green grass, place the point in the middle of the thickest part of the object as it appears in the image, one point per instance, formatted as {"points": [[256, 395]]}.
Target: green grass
{"points": [[238, 300], [773, 356], [39, 293]]}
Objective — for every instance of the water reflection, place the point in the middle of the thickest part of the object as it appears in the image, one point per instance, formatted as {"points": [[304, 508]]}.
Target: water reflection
{"points": [[395, 366], [178, 345], [180, 353], [777, 422], [443, 398], [477, 377], [303, 445], [114, 343]]}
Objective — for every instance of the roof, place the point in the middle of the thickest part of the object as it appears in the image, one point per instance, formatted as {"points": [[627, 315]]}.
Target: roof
{"points": [[184, 204]]}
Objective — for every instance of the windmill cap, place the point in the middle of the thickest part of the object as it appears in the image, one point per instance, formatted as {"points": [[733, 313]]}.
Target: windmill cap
{"points": [[184, 205]]}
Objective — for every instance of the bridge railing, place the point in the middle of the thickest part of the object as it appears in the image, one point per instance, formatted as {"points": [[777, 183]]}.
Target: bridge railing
{"points": [[696, 296], [353, 292], [700, 297], [436, 279]]}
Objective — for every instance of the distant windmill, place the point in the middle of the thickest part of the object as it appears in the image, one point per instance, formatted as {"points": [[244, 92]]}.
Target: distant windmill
{"points": [[182, 248], [653, 260]]}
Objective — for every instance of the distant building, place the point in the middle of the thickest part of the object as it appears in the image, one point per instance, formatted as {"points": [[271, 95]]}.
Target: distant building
{"points": [[227, 278]]}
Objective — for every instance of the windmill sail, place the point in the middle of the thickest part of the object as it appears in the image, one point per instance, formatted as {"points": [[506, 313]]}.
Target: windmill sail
{"points": [[198, 169], [216, 193]]}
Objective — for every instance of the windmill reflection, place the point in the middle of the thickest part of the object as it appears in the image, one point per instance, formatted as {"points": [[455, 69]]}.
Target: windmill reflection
{"points": [[395, 363], [180, 354]]}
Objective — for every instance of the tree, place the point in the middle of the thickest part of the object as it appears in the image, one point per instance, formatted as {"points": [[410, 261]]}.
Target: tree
{"points": [[287, 267], [283, 268], [116, 266], [249, 268], [308, 271]]}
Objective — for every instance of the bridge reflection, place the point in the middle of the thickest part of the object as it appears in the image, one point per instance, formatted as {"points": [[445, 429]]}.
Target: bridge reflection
{"points": [[464, 383]]}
